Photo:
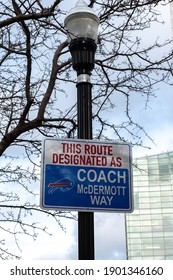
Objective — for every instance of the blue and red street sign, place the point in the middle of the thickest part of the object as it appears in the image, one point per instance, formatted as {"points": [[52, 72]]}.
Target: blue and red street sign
{"points": [[86, 175]]}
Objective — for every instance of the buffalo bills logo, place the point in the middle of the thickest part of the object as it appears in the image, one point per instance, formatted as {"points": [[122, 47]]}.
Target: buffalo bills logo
{"points": [[63, 185]]}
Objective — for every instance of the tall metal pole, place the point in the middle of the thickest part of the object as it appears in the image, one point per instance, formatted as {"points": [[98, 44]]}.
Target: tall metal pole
{"points": [[83, 55], [85, 219]]}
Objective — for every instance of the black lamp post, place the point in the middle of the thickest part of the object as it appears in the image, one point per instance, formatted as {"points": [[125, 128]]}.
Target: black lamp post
{"points": [[82, 26]]}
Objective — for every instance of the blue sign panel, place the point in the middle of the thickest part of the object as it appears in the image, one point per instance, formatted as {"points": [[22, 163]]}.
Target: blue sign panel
{"points": [[86, 175]]}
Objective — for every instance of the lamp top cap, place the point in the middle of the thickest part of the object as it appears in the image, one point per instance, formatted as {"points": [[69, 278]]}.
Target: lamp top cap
{"points": [[82, 7], [80, 3]]}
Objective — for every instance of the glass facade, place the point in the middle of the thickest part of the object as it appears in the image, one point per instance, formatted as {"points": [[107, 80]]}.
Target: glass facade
{"points": [[150, 226]]}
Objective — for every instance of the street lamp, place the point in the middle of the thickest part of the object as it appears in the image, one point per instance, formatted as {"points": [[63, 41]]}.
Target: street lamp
{"points": [[82, 29]]}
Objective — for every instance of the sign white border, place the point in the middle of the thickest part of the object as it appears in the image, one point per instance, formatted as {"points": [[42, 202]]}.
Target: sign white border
{"points": [[87, 209]]}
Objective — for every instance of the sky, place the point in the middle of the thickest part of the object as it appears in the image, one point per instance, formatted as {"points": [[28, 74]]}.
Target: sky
{"points": [[110, 241]]}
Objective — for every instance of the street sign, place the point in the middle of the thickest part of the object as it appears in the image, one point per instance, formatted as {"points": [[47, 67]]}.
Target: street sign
{"points": [[86, 175]]}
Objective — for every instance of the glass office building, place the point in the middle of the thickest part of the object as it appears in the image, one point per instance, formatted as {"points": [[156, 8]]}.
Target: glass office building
{"points": [[150, 226]]}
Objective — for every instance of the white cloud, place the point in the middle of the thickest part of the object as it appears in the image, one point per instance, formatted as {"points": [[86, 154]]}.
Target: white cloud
{"points": [[163, 142], [110, 236], [110, 240], [58, 246]]}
